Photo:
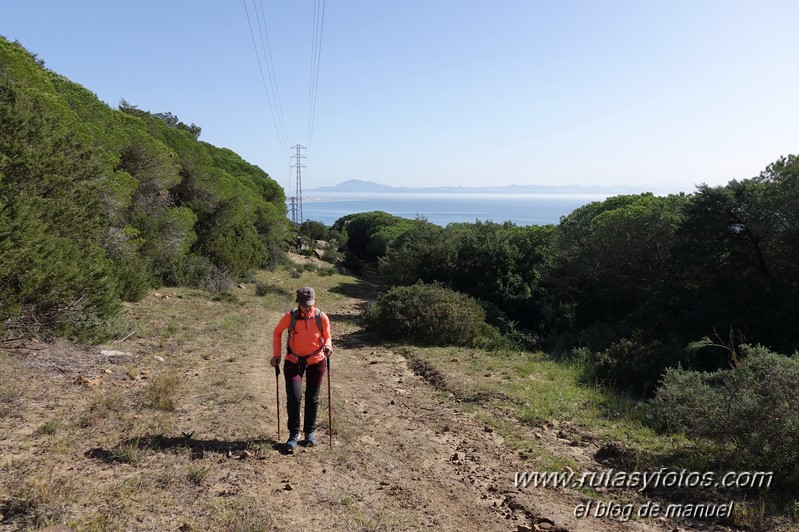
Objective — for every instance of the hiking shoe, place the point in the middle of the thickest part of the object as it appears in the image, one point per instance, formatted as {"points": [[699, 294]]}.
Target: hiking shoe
{"points": [[310, 439], [291, 444]]}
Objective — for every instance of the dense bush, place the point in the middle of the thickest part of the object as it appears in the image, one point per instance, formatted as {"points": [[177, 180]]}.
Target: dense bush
{"points": [[52, 269], [501, 264], [610, 259], [195, 270], [314, 230], [498, 264], [431, 315], [99, 205], [369, 234], [735, 264], [635, 364], [263, 288], [423, 253], [751, 410], [332, 255], [230, 239]]}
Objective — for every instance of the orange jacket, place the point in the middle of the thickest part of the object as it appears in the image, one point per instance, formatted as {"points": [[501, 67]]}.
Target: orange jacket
{"points": [[306, 340]]}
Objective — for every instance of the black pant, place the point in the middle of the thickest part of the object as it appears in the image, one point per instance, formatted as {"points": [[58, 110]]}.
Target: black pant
{"points": [[293, 374]]}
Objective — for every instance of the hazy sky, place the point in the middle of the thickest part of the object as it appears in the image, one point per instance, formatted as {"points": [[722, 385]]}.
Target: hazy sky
{"points": [[661, 95]]}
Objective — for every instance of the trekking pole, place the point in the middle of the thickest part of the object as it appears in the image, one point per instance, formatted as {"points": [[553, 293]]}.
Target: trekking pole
{"points": [[277, 400], [329, 406]]}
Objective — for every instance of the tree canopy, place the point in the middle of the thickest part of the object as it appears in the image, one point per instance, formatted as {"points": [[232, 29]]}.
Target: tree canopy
{"points": [[98, 204], [635, 279]]}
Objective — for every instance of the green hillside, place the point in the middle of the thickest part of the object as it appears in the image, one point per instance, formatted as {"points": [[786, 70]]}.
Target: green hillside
{"points": [[97, 205]]}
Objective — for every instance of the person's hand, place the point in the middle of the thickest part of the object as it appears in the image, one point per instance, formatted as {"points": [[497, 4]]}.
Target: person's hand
{"points": [[327, 351], [275, 362]]}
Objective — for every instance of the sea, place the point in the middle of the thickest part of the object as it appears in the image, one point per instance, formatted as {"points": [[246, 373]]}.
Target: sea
{"points": [[445, 208]]}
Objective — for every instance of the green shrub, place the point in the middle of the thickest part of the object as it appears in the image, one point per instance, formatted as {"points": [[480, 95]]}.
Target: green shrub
{"points": [[133, 279], [87, 326], [48, 428], [370, 233], [752, 411], [332, 255], [230, 239], [263, 288], [98, 205], [518, 337], [226, 297], [194, 270], [51, 214], [634, 364], [275, 256], [314, 230], [430, 314]]}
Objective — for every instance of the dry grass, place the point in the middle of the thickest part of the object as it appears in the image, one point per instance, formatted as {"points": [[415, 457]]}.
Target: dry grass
{"points": [[150, 437], [38, 498], [238, 513], [10, 395], [73, 417], [178, 432], [161, 394], [534, 395]]}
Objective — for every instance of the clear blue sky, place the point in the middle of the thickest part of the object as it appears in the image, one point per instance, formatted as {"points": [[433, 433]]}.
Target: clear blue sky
{"points": [[660, 95]]}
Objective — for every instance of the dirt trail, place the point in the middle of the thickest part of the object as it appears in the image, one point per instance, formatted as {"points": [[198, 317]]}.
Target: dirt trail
{"points": [[405, 457]]}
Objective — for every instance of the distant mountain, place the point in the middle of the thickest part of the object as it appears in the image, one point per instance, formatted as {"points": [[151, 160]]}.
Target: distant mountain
{"points": [[358, 185]]}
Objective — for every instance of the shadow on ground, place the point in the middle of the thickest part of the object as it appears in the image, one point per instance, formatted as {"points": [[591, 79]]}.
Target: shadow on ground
{"points": [[361, 290], [199, 448], [352, 319], [357, 340]]}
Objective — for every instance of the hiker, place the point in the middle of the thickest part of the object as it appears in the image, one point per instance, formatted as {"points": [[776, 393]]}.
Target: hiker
{"points": [[307, 349]]}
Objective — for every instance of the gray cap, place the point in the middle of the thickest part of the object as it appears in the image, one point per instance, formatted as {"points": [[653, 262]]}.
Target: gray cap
{"points": [[306, 296]]}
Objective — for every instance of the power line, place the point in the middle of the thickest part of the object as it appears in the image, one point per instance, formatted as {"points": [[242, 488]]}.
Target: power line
{"points": [[273, 97], [270, 67], [316, 55], [283, 142]]}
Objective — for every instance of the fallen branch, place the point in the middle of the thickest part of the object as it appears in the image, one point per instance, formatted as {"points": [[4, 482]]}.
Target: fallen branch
{"points": [[125, 338]]}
